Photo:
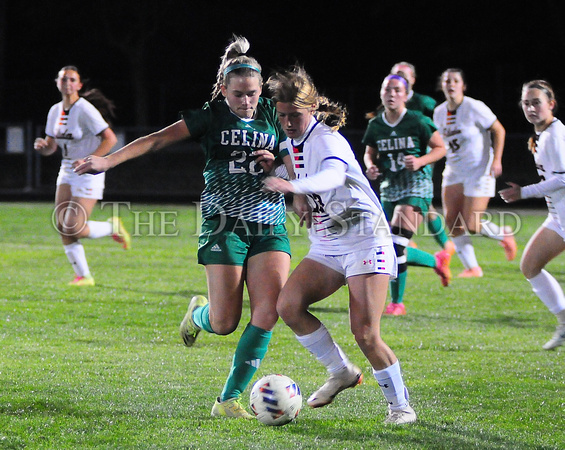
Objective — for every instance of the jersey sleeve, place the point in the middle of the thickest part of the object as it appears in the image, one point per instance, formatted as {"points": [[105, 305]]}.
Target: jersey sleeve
{"points": [[484, 115], [92, 120], [369, 137], [197, 120]]}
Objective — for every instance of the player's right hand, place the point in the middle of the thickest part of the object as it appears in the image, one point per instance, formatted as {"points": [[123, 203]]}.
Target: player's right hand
{"points": [[373, 173], [91, 164]]}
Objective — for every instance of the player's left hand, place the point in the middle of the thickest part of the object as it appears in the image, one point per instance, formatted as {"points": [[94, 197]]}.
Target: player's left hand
{"points": [[265, 158], [412, 163], [275, 184]]}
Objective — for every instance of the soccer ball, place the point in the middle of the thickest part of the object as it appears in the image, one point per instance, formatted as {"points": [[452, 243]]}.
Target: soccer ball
{"points": [[275, 399]]}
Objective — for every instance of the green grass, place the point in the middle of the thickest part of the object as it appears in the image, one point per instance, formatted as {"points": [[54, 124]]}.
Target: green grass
{"points": [[105, 367]]}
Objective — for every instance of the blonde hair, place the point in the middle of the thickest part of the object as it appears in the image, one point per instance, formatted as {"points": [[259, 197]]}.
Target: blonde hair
{"points": [[236, 62], [296, 87]]}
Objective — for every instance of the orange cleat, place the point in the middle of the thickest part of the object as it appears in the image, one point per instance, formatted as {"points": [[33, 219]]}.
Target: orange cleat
{"points": [[509, 244], [475, 272], [450, 248]]}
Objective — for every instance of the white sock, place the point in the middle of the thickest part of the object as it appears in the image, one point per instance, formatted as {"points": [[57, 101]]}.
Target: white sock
{"points": [[77, 258], [492, 230], [391, 383], [324, 348], [99, 229], [549, 291], [465, 251]]}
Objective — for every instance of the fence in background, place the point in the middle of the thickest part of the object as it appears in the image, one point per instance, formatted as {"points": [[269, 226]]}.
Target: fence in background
{"points": [[173, 174]]}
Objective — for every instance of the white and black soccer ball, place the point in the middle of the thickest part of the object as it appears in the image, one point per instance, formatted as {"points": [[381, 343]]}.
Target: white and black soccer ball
{"points": [[275, 399]]}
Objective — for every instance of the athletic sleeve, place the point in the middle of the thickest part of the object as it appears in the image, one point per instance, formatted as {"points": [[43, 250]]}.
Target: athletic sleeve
{"points": [[543, 188], [484, 115], [331, 176], [92, 120]]}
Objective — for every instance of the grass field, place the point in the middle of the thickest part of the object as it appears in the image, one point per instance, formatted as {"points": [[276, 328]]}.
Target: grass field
{"points": [[105, 367]]}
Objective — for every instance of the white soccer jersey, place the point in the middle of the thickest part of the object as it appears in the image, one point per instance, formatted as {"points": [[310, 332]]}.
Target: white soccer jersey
{"points": [[76, 130], [466, 136], [549, 156], [346, 217]]}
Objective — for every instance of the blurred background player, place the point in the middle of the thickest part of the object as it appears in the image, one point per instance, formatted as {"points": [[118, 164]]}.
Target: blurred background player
{"points": [[243, 240], [80, 125], [475, 141], [426, 105], [350, 244], [548, 147], [397, 141]]}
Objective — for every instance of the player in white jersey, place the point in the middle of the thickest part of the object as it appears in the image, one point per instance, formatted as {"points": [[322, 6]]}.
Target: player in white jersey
{"points": [[79, 129], [350, 244], [475, 141], [548, 147]]}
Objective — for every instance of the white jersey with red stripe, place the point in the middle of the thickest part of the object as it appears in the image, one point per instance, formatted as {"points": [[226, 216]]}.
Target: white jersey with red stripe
{"points": [[75, 130], [466, 134], [549, 156], [346, 217]]}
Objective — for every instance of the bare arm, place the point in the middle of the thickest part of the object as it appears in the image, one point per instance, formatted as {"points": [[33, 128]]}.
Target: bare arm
{"points": [[108, 140], [437, 151], [498, 136], [46, 146], [152, 142], [369, 158]]}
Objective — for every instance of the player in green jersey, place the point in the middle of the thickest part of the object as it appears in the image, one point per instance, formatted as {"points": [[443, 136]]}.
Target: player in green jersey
{"points": [[243, 240], [426, 105], [396, 142]]}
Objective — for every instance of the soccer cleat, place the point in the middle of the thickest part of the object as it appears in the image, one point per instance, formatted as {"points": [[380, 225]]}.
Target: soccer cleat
{"points": [[345, 378], [119, 232], [509, 244], [400, 417], [412, 244], [395, 309], [450, 248], [557, 340], [188, 329], [475, 272], [82, 281], [443, 258], [230, 408]]}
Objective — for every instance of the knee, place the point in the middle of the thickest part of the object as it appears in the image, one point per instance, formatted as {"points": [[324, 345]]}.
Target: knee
{"points": [[224, 326], [366, 337], [528, 269]]}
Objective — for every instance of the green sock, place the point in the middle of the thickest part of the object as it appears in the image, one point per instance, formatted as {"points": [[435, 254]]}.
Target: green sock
{"points": [[397, 287], [437, 228], [417, 257], [201, 317], [248, 355]]}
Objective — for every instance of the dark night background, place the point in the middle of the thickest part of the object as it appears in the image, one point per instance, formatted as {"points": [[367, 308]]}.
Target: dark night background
{"points": [[156, 58]]}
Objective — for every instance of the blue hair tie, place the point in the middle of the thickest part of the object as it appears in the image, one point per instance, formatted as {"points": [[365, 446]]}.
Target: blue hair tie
{"points": [[399, 78], [239, 66]]}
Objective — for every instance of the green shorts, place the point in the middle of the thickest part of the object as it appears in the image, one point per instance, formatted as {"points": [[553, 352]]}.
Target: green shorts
{"points": [[231, 241], [419, 203]]}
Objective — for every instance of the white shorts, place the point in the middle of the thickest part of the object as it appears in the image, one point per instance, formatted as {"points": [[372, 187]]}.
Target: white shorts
{"points": [[552, 224], [380, 259], [476, 183], [84, 186]]}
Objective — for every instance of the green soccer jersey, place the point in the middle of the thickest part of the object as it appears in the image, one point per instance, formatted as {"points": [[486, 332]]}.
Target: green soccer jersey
{"points": [[233, 180], [422, 103], [410, 136]]}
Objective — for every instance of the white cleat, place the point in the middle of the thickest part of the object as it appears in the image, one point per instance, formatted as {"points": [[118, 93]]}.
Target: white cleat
{"points": [[557, 340], [348, 377], [400, 417]]}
